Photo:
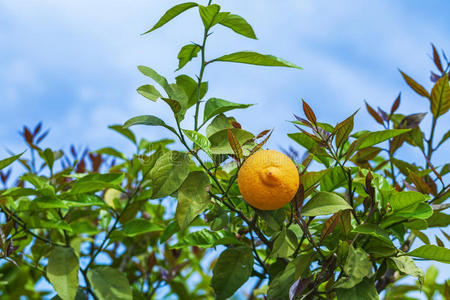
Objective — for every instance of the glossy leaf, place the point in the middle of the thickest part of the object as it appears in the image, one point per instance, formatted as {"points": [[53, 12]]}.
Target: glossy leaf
{"points": [[375, 231], [215, 106], [147, 120], [220, 144], [376, 137], [432, 252], [192, 197], [231, 271], [62, 271], [440, 97], [206, 239], [343, 131], [168, 173], [254, 58], [200, 140], [324, 203], [406, 200], [109, 284], [172, 13], [238, 25]]}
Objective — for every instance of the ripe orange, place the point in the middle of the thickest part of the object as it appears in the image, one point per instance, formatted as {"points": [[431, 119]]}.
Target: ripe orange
{"points": [[268, 179]]}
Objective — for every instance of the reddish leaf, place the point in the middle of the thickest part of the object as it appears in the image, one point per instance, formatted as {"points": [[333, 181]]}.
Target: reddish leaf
{"points": [[440, 97], [236, 124], [437, 59], [415, 86], [329, 225], [309, 112], [263, 133], [234, 143], [27, 135], [374, 114], [396, 104], [37, 128], [259, 146]]}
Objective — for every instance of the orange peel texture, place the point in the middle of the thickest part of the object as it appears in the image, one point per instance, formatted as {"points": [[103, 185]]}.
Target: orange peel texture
{"points": [[268, 180]]}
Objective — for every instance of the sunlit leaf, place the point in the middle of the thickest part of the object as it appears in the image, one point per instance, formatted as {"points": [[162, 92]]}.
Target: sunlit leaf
{"points": [[238, 25], [440, 97], [215, 106], [172, 13], [324, 203], [254, 58], [62, 271], [109, 284], [432, 252]]}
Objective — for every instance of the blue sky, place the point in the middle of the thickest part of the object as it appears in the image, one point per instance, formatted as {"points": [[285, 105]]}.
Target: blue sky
{"points": [[72, 64]]}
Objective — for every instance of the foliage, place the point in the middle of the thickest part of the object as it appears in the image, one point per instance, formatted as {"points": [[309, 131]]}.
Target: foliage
{"points": [[132, 225]]}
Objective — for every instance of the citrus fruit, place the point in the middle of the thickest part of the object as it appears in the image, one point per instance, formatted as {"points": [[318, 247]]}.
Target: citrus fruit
{"points": [[268, 180]]}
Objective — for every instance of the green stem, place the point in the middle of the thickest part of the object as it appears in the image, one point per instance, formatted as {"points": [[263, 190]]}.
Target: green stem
{"points": [[200, 78]]}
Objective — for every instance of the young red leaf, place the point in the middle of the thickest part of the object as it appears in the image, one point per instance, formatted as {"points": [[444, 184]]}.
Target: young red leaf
{"points": [[437, 59], [329, 225], [234, 143], [415, 86], [374, 114], [309, 112], [396, 104], [258, 146]]}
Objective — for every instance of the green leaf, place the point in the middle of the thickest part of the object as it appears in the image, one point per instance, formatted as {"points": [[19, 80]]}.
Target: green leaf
{"points": [[231, 271], [62, 272], [7, 161], [84, 227], [189, 87], [37, 222], [238, 25], [109, 284], [215, 106], [149, 92], [192, 197], [312, 146], [364, 290], [285, 244], [210, 15], [375, 231], [440, 97], [170, 230], [406, 265], [83, 200], [357, 266], [93, 186], [221, 145], [220, 122], [422, 211], [432, 252], [407, 200], [186, 54], [147, 120], [324, 203], [140, 226], [376, 137], [124, 131], [172, 13], [168, 173], [206, 239], [149, 72], [279, 286], [254, 58], [111, 152], [200, 140], [334, 178], [439, 219]]}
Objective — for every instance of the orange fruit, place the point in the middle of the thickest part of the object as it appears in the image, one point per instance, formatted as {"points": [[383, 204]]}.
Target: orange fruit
{"points": [[268, 180]]}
